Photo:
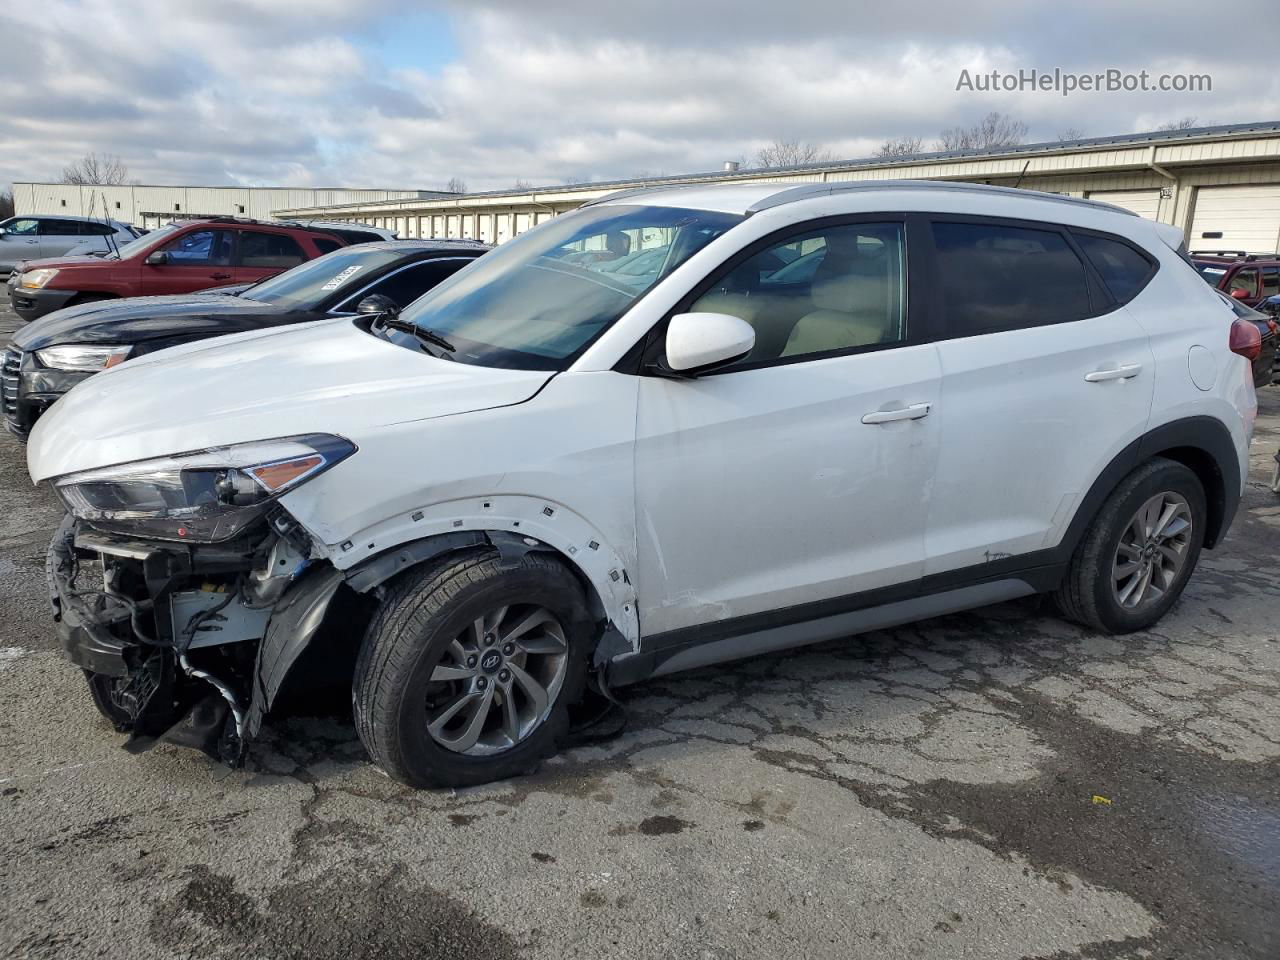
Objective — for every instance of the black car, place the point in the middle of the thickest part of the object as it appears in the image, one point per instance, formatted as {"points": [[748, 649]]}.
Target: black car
{"points": [[52, 354], [1264, 364]]}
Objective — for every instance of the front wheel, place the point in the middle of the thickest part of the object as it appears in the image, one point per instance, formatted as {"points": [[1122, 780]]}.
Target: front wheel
{"points": [[469, 667], [1138, 552]]}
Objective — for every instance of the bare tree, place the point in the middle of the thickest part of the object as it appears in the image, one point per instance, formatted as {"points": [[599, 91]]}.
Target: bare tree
{"points": [[107, 169], [791, 153], [6, 204], [993, 130], [456, 185], [522, 185], [1186, 123], [898, 147], [1070, 133]]}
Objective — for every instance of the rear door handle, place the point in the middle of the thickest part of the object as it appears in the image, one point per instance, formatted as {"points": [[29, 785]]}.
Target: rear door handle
{"points": [[914, 412], [1126, 371]]}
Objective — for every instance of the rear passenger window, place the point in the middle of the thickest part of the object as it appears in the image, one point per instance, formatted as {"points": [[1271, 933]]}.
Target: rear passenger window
{"points": [[1123, 269], [273, 250], [993, 277], [1270, 281], [59, 228]]}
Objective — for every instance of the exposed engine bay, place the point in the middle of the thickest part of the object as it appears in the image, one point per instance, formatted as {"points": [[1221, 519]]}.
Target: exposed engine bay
{"points": [[171, 634]]}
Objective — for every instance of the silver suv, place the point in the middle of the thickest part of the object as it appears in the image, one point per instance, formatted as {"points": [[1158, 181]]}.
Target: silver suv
{"points": [[37, 237]]}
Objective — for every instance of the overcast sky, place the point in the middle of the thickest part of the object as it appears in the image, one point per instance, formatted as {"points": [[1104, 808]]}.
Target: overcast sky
{"points": [[382, 93]]}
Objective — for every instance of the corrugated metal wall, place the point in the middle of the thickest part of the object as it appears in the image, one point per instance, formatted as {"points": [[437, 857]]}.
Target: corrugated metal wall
{"points": [[151, 206]]}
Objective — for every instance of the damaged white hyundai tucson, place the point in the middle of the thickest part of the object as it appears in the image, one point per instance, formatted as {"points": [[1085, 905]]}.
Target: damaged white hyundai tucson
{"points": [[669, 429]]}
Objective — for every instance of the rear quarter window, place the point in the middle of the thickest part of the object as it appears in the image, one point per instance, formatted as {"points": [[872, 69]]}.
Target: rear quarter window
{"points": [[1124, 270], [995, 276]]}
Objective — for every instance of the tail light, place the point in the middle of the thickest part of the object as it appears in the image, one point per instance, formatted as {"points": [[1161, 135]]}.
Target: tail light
{"points": [[1246, 339]]}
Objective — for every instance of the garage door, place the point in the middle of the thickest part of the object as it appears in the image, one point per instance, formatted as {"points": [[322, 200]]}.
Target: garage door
{"points": [[1145, 203], [1237, 218]]}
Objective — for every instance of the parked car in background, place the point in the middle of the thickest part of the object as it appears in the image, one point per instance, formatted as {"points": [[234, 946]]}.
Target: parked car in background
{"points": [[1244, 277], [1264, 363], [51, 355], [542, 474], [350, 232], [44, 235], [180, 258]]}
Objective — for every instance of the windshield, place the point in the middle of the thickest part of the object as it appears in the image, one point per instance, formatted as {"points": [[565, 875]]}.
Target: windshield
{"points": [[307, 284], [1210, 272], [144, 242], [539, 300]]}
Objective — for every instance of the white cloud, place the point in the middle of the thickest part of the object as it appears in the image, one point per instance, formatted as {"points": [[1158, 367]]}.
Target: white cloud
{"points": [[288, 91]]}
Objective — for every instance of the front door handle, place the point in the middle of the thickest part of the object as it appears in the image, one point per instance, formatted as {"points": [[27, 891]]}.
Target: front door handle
{"points": [[914, 412], [219, 276], [1126, 371]]}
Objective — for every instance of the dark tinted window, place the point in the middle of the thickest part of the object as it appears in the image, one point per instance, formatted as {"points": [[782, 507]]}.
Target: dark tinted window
{"points": [[1270, 281], [408, 285], [1124, 270], [59, 228], [325, 245], [273, 250], [993, 277]]}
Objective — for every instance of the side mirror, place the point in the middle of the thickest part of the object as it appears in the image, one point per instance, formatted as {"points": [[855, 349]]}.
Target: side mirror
{"points": [[698, 342], [378, 305], [1240, 294], [157, 259]]}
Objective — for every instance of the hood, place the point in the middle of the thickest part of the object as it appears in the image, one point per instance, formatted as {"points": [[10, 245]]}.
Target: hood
{"points": [[138, 319], [65, 263], [326, 377]]}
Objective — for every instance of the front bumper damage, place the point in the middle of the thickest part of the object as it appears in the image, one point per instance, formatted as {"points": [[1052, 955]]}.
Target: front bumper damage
{"points": [[187, 643]]}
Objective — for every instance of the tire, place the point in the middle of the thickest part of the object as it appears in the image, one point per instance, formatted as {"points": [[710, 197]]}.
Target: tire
{"points": [[430, 650], [1093, 592]]}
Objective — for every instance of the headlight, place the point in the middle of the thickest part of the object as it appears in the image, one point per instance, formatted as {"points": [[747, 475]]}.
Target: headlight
{"points": [[206, 496], [82, 356], [35, 279]]}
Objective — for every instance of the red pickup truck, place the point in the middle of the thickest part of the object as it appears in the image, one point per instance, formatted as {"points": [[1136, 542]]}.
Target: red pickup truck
{"points": [[180, 258]]}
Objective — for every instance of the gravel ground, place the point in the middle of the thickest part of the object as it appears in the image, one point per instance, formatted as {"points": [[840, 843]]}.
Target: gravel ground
{"points": [[994, 784]]}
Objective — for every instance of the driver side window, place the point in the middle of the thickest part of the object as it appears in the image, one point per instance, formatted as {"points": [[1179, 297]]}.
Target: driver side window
{"points": [[22, 228], [828, 290]]}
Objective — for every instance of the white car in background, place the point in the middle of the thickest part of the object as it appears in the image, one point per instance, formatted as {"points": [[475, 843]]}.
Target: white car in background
{"points": [[543, 476]]}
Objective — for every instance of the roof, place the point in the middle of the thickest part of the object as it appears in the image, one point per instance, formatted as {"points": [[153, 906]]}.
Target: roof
{"points": [[749, 198]]}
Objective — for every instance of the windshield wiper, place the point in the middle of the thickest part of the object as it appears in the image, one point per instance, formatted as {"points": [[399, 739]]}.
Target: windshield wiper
{"points": [[422, 333]]}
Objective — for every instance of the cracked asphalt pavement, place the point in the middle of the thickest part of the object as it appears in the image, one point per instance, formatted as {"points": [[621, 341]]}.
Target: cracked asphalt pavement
{"points": [[994, 784]]}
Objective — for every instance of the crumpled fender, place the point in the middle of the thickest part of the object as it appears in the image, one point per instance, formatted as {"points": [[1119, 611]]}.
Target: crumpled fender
{"points": [[294, 621]]}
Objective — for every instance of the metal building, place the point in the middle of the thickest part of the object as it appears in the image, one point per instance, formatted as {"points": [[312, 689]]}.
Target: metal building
{"points": [[152, 206], [1220, 184]]}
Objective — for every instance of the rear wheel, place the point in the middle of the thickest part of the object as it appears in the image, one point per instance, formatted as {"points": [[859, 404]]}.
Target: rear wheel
{"points": [[469, 667], [1137, 555]]}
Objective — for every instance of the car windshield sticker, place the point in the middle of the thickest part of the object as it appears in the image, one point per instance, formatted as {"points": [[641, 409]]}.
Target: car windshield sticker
{"points": [[342, 278]]}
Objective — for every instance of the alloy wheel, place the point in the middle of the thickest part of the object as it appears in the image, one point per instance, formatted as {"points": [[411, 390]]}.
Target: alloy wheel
{"points": [[497, 680], [1152, 551]]}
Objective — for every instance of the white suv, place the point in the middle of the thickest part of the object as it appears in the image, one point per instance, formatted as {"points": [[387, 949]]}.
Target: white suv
{"points": [[669, 429]]}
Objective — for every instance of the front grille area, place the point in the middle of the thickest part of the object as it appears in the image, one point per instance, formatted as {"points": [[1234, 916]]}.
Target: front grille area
{"points": [[9, 383]]}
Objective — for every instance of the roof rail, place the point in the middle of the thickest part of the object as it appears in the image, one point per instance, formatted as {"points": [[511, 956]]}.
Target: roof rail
{"points": [[806, 191]]}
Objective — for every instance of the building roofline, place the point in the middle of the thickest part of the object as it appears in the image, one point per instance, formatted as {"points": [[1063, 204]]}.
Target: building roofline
{"points": [[188, 186], [1043, 148]]}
